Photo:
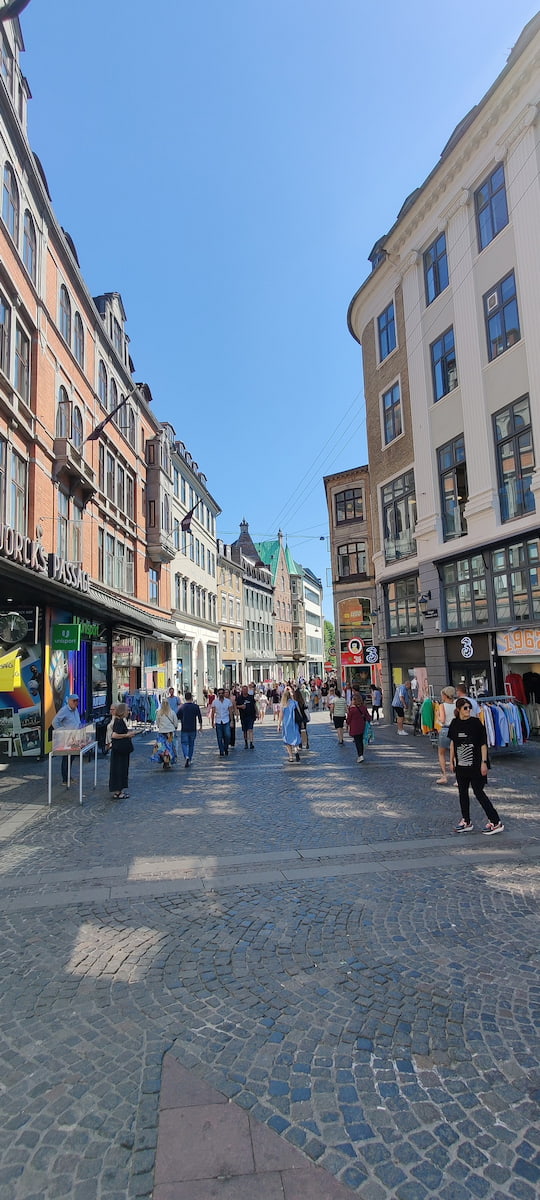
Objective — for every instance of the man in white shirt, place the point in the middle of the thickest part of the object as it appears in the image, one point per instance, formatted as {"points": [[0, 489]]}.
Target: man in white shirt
{"points": [[222, 708]]}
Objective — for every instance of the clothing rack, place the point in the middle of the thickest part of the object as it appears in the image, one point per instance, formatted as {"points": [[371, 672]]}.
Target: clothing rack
{"points": [[506, 698]]}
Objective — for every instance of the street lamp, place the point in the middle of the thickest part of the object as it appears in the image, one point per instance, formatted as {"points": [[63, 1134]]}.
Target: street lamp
{"points": [[423, 602]]}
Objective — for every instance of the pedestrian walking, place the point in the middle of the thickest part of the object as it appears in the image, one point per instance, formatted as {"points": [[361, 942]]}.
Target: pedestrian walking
{"points": [[67, 717], [188, 715], [304, 717], [247, 707], [276, 703], [165, 744], [469, 759], [121, 748], [401, 701], [338, 712], [357, 719], [376, 701], [232, 736], [445, 715], [221, 714], [262, 703], [290, 724]]}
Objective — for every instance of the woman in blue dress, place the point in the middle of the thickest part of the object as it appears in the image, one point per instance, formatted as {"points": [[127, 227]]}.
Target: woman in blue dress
{"points": [[289, 724]]}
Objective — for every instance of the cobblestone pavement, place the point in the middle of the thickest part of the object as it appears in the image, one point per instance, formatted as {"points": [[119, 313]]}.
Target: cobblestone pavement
{"points": [[309, 939]]}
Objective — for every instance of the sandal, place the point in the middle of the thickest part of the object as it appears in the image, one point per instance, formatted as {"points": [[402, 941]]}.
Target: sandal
{"points": [[442, 779]]}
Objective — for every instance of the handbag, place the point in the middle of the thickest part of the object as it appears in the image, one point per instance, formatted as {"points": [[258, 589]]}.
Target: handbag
{"points": [[369, 733]]}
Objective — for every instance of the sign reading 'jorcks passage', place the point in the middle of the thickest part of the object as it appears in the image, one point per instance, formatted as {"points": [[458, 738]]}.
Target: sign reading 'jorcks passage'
{"points": [[30, 553]]}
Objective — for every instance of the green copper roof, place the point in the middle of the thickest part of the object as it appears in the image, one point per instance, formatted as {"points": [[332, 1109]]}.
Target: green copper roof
{"points": [[269, 553]]}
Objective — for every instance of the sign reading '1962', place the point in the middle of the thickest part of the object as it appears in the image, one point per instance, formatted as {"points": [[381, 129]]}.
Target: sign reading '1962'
{"points": [[518, 640]]}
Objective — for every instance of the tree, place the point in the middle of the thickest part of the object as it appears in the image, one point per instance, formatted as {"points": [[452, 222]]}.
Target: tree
{"points": [[329, 641]]}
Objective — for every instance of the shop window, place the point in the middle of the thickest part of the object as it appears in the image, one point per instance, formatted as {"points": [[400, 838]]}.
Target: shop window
{"points": [[349, 505], [465, 592], [399, 517], [501, 315], [454, 488], [515, 459], [18, 493], [516, 582], [22, 363], [153, 585]]}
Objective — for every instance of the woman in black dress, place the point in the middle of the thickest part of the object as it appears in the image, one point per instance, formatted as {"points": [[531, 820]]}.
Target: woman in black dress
{"points": [[303, 717], [121, 748]]}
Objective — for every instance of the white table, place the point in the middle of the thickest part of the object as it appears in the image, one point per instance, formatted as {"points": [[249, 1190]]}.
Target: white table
{"points": [[69, 755]]}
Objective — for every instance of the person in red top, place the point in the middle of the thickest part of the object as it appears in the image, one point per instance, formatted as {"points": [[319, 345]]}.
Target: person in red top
{"points": [[357, 717]]}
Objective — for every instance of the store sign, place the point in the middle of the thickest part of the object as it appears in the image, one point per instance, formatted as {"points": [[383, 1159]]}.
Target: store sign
{"points": [[28, 552], [467, 649], [89, 629], [372, 655], [66, 637], [518, 641]]}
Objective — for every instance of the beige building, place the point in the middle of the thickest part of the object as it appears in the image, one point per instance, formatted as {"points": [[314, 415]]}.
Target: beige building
{"points": [[447, 321], [353, 580], [230, 617]]}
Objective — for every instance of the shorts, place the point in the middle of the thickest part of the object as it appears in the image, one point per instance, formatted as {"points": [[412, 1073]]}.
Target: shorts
{"points": [[399, 710], [247, 723], [338, 722], [443, 739]]}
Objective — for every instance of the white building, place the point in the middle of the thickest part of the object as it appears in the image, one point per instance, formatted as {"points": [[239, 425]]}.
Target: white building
{"points": [[448, 323], [314, 621]]}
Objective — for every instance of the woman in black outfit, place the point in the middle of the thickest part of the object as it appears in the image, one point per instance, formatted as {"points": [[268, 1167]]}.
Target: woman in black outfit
{"points": [[121, 748], [468, 757], [304, 717]]}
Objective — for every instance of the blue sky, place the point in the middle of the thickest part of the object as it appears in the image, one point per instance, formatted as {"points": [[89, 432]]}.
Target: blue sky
{"points": [[227, 167]]}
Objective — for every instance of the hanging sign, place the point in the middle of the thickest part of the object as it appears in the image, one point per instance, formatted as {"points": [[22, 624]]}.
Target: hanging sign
{"points": [[372, 655], [517, 641], [66, 637], [467, 649]]}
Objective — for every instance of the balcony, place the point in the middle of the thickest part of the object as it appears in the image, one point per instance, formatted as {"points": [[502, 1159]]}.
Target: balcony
{"points": [[70, 467], [159, 546]]}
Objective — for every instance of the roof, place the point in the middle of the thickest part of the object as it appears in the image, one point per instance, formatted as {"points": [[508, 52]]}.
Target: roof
{"points": [[269, 553]]}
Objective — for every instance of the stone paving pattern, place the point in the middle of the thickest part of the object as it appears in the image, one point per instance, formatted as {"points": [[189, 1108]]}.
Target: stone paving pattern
{"points": [[379, 1010]]}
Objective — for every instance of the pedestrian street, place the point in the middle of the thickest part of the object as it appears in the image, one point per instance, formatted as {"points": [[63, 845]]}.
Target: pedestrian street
{"points": [[310, 939]]}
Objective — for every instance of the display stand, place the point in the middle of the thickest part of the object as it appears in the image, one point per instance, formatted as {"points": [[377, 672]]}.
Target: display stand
{"points": [[73, 743]]}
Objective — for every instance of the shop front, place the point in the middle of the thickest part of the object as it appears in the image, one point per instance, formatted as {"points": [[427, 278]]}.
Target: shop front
{"points": [[407, 663], [355, 637], [518, 659], [470, 663]]}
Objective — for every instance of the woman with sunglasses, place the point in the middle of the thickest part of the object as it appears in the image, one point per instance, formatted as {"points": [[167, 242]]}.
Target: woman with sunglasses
{"points": [[468, 758]]}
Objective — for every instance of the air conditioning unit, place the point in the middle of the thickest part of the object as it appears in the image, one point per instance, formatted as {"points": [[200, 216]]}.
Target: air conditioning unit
{"points": [[492, 301]]}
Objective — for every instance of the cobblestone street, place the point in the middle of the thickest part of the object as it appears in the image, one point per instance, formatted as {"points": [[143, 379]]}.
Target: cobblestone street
{"points": [[311, 940]]}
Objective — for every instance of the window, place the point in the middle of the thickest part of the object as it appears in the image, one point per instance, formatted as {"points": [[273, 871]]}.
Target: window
{"points": [[76, 532], [6, 63], [77, 428], [399, 517], [65, 315], [231, 610], [117, 337], [454, 489], [392, 414], [224, 639], [192, 547], [113, 395], [78, 339], [18, 493], [223, 607], [130, 571], [516, 582], [465, 592], [101, 467], [120, 487], [5, 330], [129, 426], [352, 560], [102, 384], [109, 560], [435, 268], [491, 207], [387, 332], [443, 365], [183, 490], [63, 524], [130, 496], [183, 540], [10, 203], [502, 319], [110, 477], [22, 364], [63, 415], [515, 459], [29, 245], [197, 552], [184, 594], [403, 608], [192, 599], [176, 534], [153, 585], [238, 616], [176, 482], [166, 514], [119, 567], [350, 505]]}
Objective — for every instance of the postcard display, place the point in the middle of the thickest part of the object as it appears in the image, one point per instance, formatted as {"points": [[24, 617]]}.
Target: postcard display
{"points": [[21, 684], [70, 743]]}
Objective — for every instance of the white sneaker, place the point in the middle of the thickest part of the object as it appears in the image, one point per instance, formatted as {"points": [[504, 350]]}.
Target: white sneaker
{"points": [[402, 733], [360, 758]]}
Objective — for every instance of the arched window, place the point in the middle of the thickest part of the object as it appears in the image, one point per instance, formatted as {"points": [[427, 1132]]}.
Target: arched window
{"points": [[130, 426], [29, 245], [102, 383], [63, 415], [10, 203], [65, 315], [78, 339], [113, 395], [77, 428]]}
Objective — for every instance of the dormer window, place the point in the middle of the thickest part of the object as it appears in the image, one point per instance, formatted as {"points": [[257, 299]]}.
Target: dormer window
{"points": [[117, 338]]}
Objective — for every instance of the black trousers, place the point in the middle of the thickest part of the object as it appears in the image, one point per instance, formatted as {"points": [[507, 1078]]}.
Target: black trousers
{"points": [[359, 743], [465, 779]]}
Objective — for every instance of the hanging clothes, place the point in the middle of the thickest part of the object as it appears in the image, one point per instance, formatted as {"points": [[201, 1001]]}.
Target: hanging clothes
{"points": [[427, 715], [517, 689]]}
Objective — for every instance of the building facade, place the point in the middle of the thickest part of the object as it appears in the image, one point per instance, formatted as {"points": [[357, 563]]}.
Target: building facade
{"points": [[447, 324], [356, 619], [258, 595], [312, 594], [279, 559], [230, 599]]}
